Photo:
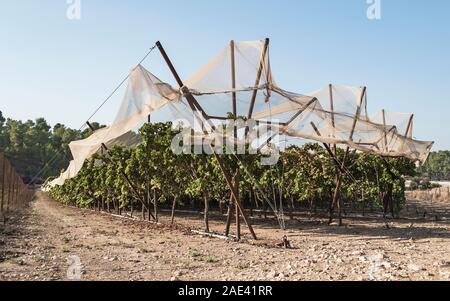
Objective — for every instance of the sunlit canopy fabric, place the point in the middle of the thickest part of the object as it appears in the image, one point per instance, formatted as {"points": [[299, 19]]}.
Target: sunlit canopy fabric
{"points": [[239, 81]]}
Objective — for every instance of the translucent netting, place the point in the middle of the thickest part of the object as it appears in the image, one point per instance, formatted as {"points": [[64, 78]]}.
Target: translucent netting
{"points": [[240, 73], [248, 59], [145, 94], [340, 117], [343, 99], [239, 81], [404, 122], [337, 116]]}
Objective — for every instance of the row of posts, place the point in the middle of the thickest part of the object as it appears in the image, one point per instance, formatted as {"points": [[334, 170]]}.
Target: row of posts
{"points": [[14, 193]]}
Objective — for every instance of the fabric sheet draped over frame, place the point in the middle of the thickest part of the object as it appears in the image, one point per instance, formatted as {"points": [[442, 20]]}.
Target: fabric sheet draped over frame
{"points": [[240, 78]]}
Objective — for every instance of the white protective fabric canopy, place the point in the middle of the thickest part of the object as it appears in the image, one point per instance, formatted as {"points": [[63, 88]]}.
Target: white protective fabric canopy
{"points": [[239, 82], [332, 115], [145, 94]]}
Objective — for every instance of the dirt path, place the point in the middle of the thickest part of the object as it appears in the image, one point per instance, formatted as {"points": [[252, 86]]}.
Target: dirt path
{"points": [[46, 241]]}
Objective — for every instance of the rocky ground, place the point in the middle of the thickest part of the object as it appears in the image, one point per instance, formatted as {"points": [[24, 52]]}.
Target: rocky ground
{"points": [[52, 242]]}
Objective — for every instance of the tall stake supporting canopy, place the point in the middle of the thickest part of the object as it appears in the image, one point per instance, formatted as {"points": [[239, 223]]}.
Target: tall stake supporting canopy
{"points": [[409, 127], [336, 197], [195, 106], [258, 78], [237, 176], [127, 180]]}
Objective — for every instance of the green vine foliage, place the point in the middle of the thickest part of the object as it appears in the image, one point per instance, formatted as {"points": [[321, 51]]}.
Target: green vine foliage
{"points": [[305, 174]]}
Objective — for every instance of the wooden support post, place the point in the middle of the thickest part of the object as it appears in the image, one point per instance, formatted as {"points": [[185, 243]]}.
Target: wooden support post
{"points": [[384, 130], [327, 147], [339, 173], [16, 198], [355, 121], [338, 167], [336, 197], [155, 201], [221, 207], [336, 193], [258, 78], [125, 177], [256, 85], [233, 87], [195, 106], [264, 210], [238, 216], [333, 121], [408, 133], [132, 207], [19, 194], [151, 201], [233, 79], [230, 207], [3, 182], [189, 97], [255, 199], [10, 182], [147, 198], [250, 203], [13, 190], [206, 213], [155, 205], [235, 194], [229, 216], [330, 87], [174, 204], [293, 206]]}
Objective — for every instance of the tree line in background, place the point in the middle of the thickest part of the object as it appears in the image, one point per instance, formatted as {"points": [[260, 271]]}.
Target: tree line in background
{"points": [[33, 145], [437, 167], [304, 176]]}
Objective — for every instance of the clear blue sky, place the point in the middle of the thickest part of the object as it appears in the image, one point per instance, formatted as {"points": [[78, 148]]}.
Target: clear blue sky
{"points": [[61, 70]]}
